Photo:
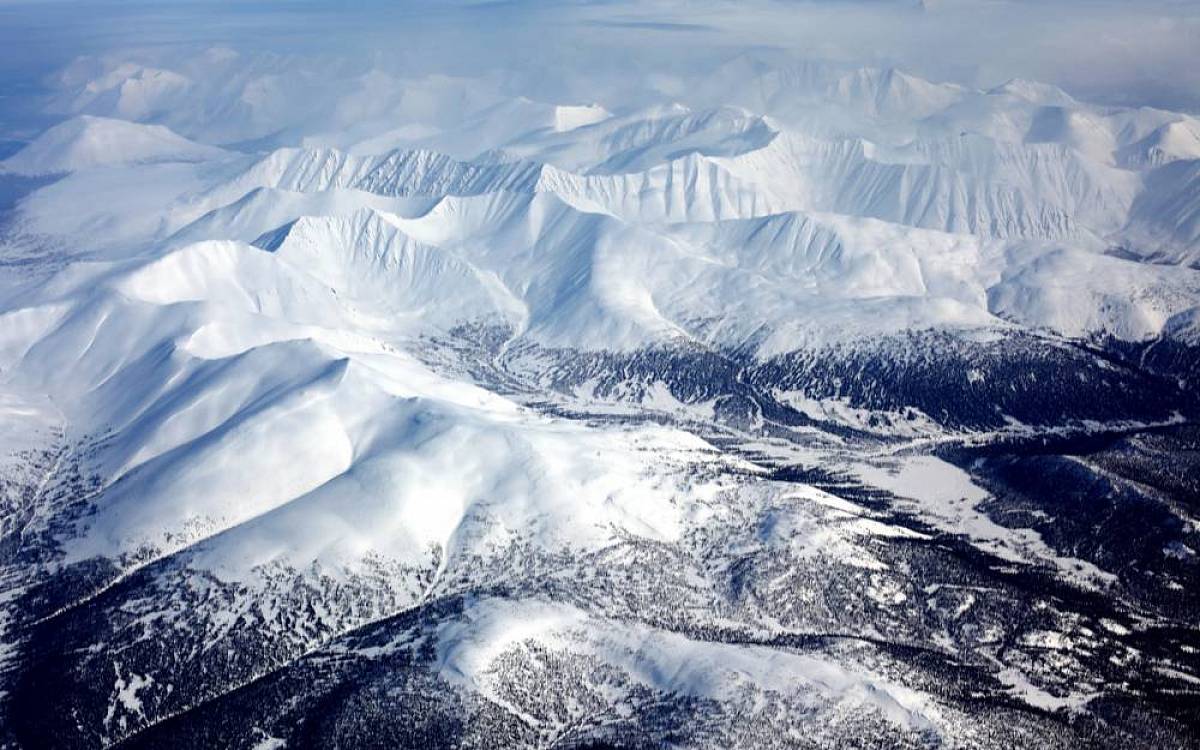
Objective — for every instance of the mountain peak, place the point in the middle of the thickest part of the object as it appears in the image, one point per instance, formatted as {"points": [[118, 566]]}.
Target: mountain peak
{"points": [[86, 141]]}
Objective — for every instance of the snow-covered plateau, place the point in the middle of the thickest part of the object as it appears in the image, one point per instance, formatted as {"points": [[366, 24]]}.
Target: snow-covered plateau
{"points": [[772, 401]]}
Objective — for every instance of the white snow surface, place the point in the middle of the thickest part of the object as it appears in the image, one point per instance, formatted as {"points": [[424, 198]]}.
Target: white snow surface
{"points": [[87, 142]]}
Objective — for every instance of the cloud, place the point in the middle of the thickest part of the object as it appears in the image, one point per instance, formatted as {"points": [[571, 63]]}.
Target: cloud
{"points": [[1137, 53], [1143, 53]]}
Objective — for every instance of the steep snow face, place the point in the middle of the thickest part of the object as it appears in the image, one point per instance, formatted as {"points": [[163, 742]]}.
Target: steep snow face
{"points": [[389, 278], [1165, 220], [85, 142], [579, 273], [264, 209], [394, 174]]}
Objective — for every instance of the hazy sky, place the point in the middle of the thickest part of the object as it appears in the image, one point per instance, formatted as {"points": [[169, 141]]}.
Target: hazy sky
{"points": [[1144, 53]]}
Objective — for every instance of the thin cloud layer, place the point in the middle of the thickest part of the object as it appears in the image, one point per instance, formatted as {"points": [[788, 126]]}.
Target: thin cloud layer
{"points": [[1145, 53]]}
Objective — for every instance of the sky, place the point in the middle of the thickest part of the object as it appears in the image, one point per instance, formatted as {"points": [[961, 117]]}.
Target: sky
{"points": [[1144, 53]]}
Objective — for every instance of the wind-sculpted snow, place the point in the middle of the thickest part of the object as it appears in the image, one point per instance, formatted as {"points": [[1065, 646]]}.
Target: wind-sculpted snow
{"points": [[398, 173], [771, 403]]}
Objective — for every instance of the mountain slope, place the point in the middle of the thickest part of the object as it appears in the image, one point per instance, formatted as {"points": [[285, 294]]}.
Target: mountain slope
{"points": [[85, 142]]}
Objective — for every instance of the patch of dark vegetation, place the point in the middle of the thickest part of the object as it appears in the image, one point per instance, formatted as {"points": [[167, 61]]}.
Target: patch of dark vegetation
{"points": [[1119, 501], [959, 380], [983, 383]]}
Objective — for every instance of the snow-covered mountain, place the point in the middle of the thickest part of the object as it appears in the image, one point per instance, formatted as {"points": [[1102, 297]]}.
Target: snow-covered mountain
{"points": [[86, 142], [776, 403]]}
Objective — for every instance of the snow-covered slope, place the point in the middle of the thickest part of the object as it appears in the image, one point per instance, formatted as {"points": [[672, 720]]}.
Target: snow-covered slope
{"points": [[85, 142], [170, 358]]}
